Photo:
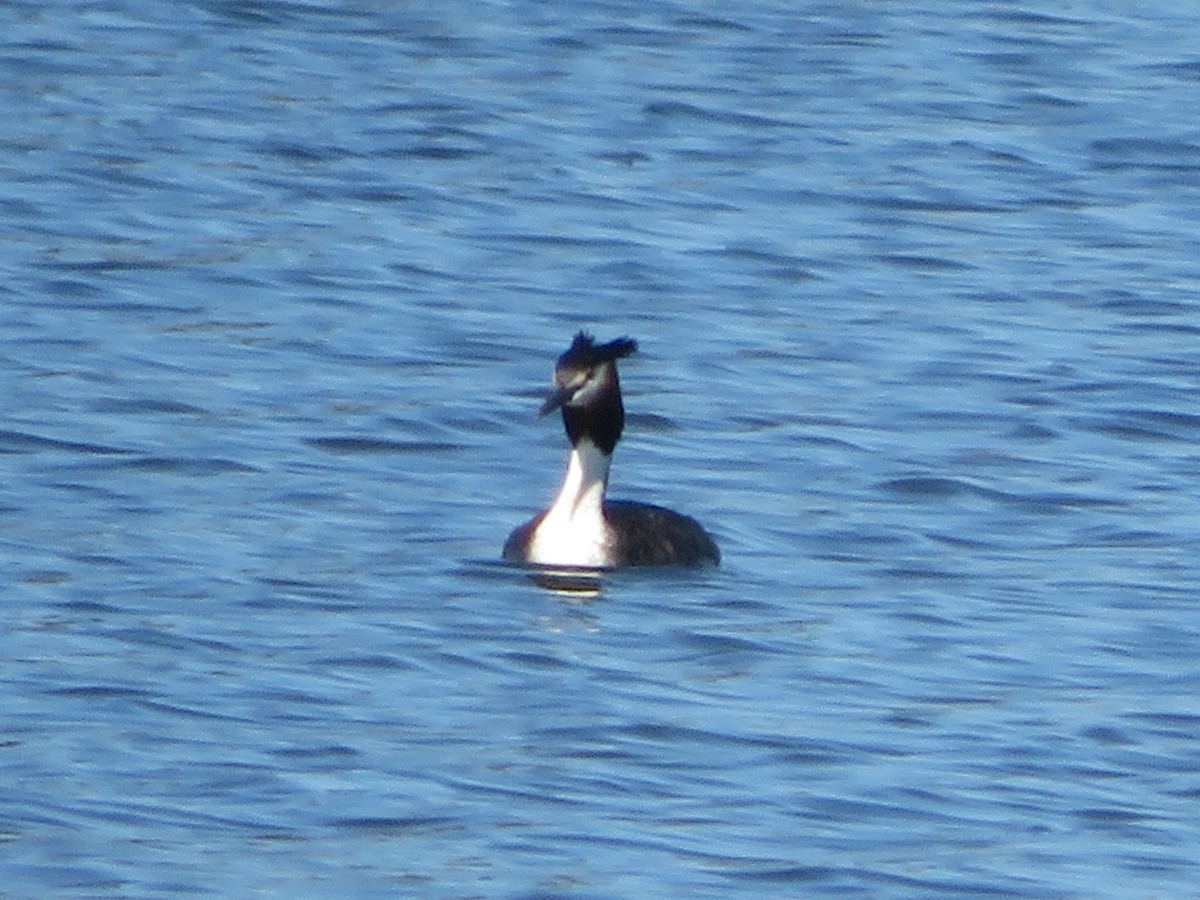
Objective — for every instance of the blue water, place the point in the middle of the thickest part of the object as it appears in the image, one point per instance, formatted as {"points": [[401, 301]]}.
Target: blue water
{"points": [[918, 293]]}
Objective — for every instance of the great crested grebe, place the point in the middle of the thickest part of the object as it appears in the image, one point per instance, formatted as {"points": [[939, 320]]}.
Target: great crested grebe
{"points": [[581, 527]]}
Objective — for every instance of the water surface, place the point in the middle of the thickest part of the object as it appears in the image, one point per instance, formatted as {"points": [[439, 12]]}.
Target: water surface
{"points": [[916, 294]]}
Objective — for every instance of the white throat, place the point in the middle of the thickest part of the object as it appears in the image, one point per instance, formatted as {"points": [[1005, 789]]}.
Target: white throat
{"points": [[573, 531]]}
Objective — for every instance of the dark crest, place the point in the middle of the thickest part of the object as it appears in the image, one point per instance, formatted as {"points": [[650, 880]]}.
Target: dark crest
{"points": [[585, 353]]}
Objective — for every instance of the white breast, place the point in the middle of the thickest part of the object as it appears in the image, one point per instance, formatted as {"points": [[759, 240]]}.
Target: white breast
{"points": [[573, 531]]}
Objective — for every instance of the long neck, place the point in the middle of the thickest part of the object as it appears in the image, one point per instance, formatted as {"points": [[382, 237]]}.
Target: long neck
{"points": [[573, 531], [586, 480]]}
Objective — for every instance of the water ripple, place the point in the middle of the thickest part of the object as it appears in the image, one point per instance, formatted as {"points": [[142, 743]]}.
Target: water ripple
{"points": [[915, 293]]}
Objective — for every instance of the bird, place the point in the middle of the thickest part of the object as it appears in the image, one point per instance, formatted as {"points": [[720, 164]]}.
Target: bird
{"points": [[582, 527]]}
